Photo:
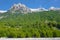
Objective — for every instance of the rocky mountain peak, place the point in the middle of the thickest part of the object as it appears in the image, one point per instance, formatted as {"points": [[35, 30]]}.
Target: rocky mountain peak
{"points": [[20, 7]]}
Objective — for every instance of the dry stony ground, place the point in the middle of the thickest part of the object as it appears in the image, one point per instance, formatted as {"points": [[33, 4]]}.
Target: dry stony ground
{"points": [[29, 38]]}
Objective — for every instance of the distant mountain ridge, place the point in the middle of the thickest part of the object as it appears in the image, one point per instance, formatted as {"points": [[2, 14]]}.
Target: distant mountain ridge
{"points": [[24, 9], [21, 8]]}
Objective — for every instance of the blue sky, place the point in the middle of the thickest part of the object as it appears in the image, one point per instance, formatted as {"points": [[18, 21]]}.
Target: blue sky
{"points": [[6, 4]]}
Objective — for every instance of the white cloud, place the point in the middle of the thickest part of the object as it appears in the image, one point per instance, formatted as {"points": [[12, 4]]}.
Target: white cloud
{"points": [[54, 8], [2, 11], [34, 9], [38, 9]]}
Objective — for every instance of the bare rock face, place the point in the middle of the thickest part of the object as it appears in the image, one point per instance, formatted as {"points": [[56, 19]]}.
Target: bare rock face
{"points": [[20, 7]]}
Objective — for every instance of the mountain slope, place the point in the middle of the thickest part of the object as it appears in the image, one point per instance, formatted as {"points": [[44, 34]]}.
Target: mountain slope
{"points": [[31, 25]]}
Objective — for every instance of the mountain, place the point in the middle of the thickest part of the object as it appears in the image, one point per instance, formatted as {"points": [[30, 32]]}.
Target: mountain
{"points": [[24, 9], [20, 8], [37, 23]]}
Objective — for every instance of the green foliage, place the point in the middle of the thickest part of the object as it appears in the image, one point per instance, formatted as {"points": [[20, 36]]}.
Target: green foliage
{"points": [[31, 25]]}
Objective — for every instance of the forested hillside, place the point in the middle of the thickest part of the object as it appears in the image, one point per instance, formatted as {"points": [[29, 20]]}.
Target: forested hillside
{"points": [[30, 25]]}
